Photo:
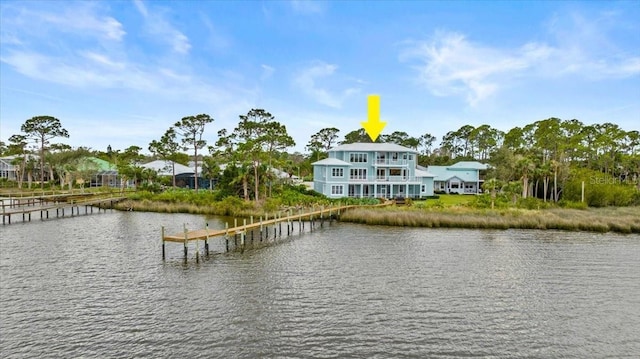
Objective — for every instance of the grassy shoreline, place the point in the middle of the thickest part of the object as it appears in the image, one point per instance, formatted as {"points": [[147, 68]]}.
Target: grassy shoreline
{"points": [[609, 219], [612, 219], [218, 208]]}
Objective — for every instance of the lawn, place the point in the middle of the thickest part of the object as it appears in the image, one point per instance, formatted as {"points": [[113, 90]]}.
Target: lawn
{"points": [[447, 200]]}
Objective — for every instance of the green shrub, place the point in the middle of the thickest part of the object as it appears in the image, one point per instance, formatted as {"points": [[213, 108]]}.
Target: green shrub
{"points": [[601, 190], [572, 204], [437, 204], [232, 205], [532, 203], [151, 187], [272, 205]]}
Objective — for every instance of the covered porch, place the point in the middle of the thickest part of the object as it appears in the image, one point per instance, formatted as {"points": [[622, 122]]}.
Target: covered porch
{"points": [[363, 190]]}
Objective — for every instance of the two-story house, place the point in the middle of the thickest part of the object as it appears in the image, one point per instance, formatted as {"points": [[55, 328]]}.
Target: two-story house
{"points": [[371, 170], [464, 177]]}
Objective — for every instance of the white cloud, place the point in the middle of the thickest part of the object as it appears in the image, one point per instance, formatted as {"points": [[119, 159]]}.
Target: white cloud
{"points": [[98, 64], [162, 30], [267, 72], [449, 64], [10, 39], [142, 9], [84, 19], [103, 60], [308, 78]]}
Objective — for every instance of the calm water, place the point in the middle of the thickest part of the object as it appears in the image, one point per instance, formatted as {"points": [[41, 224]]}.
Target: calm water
{"points": [[96, 286]]}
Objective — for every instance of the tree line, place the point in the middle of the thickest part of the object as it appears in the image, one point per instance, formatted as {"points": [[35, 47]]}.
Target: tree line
{"points": [[544, 159], [540, 159]]}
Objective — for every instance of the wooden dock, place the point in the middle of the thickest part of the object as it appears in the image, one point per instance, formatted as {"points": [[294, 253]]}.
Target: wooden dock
{"points": [[252, 231], [60, 202]]}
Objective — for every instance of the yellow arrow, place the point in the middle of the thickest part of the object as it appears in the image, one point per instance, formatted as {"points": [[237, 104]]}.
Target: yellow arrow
{"points": [[373, 126]]}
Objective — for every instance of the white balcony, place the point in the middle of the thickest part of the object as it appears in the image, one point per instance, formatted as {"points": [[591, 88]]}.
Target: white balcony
{"points": [[385, 179], [391, 162]]}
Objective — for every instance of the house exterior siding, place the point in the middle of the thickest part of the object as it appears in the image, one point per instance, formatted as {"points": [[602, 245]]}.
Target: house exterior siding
{"points": [[461, 177], [376, 170], [7, 170]]}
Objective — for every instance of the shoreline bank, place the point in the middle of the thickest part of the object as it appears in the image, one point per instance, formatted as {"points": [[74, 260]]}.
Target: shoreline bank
{"points": [[601, 220]]}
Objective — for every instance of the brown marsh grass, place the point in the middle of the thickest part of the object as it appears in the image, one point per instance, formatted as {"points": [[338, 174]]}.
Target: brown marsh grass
{"points": [[621, 219], [608, 219], [166, 207]]}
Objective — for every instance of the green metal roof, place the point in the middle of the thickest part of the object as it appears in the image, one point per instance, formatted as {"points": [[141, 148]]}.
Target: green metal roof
{"points": [[91, 163]]}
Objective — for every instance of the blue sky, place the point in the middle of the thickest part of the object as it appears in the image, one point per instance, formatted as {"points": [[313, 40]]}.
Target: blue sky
{"points": [[122, 72]]}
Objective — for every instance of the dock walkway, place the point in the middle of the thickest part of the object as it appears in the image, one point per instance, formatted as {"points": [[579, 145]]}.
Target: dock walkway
{"points": [[26, 205], [262, 228]]}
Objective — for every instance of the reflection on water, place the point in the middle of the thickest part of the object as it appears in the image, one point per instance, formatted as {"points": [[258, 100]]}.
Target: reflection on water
{"points": [[96, 286]]}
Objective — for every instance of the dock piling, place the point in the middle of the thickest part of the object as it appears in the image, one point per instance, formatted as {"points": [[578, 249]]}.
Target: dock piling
{"points": [[206, 241], [186, 240], [243, 234], [163, 253], [226, 236]]}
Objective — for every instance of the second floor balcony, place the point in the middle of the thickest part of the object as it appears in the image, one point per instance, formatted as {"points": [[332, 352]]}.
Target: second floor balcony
{"points": [[385, 179], [391, 162]]}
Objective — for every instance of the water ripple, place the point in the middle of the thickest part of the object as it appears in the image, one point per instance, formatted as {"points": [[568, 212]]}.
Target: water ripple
{"points": [[96, 286]]}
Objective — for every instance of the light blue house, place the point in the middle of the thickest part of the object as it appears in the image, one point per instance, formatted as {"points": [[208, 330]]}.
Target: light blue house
{"points": [[372, 170], [464, 177]]}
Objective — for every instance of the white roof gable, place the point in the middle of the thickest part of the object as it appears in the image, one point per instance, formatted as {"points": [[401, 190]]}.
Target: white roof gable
{"points": [[164, 168], [331, 162]]}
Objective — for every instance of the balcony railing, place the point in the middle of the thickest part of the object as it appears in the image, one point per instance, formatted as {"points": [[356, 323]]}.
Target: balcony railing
{"points": [[391, 162], [384, 179]]}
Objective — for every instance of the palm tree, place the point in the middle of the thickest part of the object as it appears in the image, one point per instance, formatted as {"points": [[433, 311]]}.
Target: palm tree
{"points": [[525, 166], [513, 188], [492, 186]]}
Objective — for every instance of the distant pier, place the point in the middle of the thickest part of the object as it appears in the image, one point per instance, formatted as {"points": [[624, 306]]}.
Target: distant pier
{"points": [[64, 204]]}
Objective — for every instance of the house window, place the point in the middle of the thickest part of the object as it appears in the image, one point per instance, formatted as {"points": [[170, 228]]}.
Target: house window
{"points": [[358, 173], [394, 156], [337, 172], [395, 172], [455, 185], [381, 173], [410, 157], [336, 189], [404, 156], [358, 157]]}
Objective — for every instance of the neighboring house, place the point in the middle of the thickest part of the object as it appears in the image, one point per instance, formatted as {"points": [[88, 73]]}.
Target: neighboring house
{"points": [[105, 172], [164, 168], [279, 175], [371, 170], [8, 170], [185, 176], [463, 177], [286, 177]]}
